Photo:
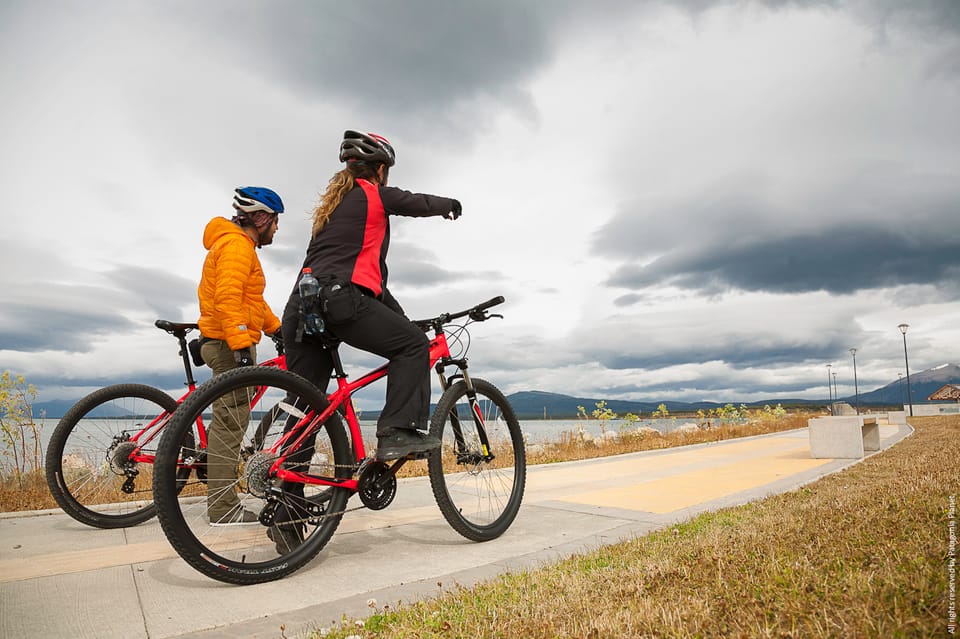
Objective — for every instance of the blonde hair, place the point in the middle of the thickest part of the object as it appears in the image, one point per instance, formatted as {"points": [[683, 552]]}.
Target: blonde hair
{"points": [[340, 184]]}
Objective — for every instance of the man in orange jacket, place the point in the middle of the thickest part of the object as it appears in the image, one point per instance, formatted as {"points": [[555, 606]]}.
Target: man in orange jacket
{"points": [[233, 317]]}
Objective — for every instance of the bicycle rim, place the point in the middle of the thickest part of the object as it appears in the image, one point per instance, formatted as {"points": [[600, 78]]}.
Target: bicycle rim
{"points": [[89, 466], [478, 498], [245, 554]]}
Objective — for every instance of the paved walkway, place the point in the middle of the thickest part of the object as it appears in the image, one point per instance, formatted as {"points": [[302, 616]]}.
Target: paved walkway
{"points": [[59, 578]]}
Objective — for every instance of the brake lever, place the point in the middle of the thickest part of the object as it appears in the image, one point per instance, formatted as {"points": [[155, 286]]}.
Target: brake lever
{"points": [[482, 316]]}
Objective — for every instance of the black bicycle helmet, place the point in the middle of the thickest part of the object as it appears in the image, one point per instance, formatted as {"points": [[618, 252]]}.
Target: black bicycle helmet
{"points": [[366, 147]]}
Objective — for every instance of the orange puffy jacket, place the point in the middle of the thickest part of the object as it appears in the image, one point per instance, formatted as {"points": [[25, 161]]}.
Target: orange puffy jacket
{"points": [[232, 307]]}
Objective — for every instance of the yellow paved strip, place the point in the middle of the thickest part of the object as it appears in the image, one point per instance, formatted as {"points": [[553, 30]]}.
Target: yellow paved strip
{"points": [[683, 491], [556, 481], [83, 560], [111, 556]]}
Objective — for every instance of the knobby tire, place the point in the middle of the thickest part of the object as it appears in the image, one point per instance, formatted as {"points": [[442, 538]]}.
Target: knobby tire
{"points": [[479, 499], [78, 470], [245, 554]]}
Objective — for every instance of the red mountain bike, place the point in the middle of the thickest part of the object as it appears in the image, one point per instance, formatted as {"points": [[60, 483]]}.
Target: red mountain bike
{"points": [[100, 453], [477, 476]]}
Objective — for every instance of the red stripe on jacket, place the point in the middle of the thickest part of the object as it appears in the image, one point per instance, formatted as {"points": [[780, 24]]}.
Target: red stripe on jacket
{"points": [[366, 270]]}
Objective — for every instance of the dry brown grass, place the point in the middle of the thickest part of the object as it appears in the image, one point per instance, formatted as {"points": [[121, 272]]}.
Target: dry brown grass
{"points": [[28, 493], [861, 553]]}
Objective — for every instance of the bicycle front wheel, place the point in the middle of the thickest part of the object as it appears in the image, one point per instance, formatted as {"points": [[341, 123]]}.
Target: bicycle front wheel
{"points": [[242, 525], [91, 466], [478, 494]]}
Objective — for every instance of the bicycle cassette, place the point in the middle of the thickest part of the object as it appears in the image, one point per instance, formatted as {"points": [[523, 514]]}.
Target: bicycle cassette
{"points": [[377, 486], [258, 474]]}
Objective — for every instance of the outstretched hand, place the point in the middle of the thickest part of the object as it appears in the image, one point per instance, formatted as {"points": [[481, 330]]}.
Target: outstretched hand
{"points": [[455, 210]]}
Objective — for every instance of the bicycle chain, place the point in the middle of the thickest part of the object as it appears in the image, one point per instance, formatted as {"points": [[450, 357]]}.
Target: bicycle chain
{"points": [[325, 515]]}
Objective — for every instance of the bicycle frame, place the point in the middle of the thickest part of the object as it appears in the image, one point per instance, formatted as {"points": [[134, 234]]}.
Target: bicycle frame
{"points": [[310, 422], [152, 430]]}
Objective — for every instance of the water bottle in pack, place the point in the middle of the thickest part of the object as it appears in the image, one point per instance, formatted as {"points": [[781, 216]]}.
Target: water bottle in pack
{"points": [[310, 301]]}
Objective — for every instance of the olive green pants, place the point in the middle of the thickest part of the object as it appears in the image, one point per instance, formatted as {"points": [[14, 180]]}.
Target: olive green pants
{"points": [[231, 416]]}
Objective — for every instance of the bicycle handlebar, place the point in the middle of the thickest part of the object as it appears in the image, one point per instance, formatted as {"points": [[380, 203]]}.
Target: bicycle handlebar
{"points": [[477, 313]]}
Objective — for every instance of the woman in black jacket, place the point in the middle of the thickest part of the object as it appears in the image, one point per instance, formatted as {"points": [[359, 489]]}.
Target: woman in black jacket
{"points": [[350, 240]]}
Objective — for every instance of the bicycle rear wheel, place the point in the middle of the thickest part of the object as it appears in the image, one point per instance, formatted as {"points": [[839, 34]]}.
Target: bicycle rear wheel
{"points": [[264, 401], [89, 470], [478, 497]]}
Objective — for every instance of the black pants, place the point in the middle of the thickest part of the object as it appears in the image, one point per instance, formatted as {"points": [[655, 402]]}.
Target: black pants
{"points": [[381, 330], [376, 328]]}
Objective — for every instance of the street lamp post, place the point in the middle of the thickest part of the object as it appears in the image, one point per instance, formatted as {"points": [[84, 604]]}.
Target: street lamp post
{"points": [[900, 381], [830, 388], [836, 393], [903, 329], [856, 388]]}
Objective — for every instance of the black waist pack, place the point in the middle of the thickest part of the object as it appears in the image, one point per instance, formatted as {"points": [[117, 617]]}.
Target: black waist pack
{"points": [[194, 347], [339, 302]]}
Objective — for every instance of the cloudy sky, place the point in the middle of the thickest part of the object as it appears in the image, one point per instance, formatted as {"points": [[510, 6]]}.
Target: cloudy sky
{"points": [[701, 200]]}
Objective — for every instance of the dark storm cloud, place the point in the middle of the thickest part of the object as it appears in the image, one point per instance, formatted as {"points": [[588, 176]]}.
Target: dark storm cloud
{"points": [[76, 382], [937, 15], [888, 229], [46, 326], [420, 57], [737, 351], [156, 289], [402, 56], [705, 382], [840, 261]]}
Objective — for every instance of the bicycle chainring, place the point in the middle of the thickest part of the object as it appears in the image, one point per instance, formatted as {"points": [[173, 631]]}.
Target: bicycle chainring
{"points": [[258, 474], [377, 486]]}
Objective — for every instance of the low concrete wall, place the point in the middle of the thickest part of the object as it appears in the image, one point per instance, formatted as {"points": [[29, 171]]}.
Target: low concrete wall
{"points": [[846, 437], [932, 410]]}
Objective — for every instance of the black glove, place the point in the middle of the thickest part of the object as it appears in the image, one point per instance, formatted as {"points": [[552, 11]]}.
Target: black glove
{"points": [[455, 210], [243, 357], [278, 342]]}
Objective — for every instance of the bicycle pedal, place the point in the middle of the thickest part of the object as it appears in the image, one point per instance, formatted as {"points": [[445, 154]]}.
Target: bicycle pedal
{"points": [[418, 456]]}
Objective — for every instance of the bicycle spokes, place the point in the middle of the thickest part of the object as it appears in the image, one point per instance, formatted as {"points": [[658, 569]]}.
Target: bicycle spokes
{"points": [[478, 475], [260, 430]]}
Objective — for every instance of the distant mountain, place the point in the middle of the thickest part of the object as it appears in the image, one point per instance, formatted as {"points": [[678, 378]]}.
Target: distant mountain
{"points": [[55, 409], [922, 385], [540, 404], [536, 404]]}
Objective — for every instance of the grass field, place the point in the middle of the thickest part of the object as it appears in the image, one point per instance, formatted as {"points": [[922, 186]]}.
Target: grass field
{"points": [[862, 553]]}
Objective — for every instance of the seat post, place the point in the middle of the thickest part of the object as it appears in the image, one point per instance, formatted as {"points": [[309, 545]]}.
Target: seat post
{"points": [[185, 355], [334, 349]]}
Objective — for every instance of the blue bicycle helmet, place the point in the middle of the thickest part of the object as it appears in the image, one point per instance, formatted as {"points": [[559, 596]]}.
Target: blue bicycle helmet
{"points": [[250, 199]]}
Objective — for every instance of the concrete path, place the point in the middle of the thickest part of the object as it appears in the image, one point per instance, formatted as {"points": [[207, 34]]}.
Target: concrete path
{"points": [[59, 578]]}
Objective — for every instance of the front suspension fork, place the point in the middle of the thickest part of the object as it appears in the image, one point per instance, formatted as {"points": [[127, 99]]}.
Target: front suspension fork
{"points": [[478, 421]]}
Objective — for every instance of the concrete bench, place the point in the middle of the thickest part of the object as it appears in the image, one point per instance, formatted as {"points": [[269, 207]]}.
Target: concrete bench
{"points": [[843, 437], [897, 417]]}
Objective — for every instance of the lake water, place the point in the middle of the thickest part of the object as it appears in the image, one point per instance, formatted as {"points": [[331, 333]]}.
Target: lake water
{"points": [[535, 430]]}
